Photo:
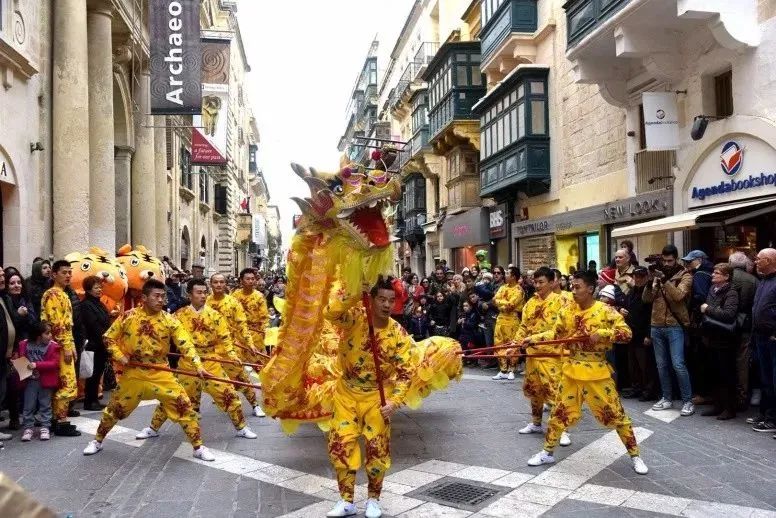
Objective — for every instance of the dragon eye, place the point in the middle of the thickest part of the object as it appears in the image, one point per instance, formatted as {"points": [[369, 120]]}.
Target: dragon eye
{"points": [[338, 189]]}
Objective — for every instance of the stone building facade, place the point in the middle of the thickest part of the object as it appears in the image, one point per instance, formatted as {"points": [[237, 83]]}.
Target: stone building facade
{"points": [[82, 163]]}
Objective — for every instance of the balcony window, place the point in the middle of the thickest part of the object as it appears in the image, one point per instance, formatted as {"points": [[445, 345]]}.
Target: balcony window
{"points": [[419, 113], [187, 178], [585, 16], [500, 18], [414, 193], [204, 188]]}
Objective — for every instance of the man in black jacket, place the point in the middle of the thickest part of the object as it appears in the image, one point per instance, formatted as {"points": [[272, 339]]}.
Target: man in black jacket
{"points": [[7, 337], [764, 337], [641, 359], [745, 284]]}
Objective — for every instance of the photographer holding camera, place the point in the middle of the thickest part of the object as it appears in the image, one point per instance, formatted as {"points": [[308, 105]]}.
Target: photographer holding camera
{"points": [[669, 292]]}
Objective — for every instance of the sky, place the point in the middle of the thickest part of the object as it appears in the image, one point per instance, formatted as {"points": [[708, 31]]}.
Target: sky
{"points": [[305, 56]]}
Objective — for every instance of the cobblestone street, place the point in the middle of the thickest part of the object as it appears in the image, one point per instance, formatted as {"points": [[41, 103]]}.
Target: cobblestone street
{"points": [[698, 467]]}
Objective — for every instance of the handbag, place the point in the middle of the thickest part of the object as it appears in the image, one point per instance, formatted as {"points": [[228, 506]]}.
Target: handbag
{"points": [[86, 365], [713, 325]]}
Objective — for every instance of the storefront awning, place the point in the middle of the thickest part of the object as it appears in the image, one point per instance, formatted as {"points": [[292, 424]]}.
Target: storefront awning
{"points": [[698, 218]]}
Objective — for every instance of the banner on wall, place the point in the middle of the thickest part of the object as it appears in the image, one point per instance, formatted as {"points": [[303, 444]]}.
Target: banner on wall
{"points": [[259, 231], [661, 120], [175, 57], [208, 139]]}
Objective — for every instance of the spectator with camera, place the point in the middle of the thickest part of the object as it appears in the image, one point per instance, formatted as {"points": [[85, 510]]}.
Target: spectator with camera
{"points": [[668, 293]]}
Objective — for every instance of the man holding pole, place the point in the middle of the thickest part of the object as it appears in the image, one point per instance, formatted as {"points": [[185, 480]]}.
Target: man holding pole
{"points": [[586, 375], [231, 310], [542, 375], [212, 342], [255, 306], [140, 340], [376, 362]]}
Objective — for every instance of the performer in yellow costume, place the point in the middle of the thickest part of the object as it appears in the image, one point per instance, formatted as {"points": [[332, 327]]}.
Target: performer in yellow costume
{"points": [[143, 336], [509, 300], [255, 306], [210, 335], [57, 310], [542, 375], [586, 376], [228, 307], [357, 408]]}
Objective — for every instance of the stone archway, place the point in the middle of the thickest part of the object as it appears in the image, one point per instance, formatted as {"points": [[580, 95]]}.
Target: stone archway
{"points": [[185, 249], [203, 255], [10, 241], [215, 253]]}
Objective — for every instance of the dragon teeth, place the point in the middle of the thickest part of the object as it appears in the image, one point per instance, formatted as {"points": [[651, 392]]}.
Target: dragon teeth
{"points": [[345, 213], [373, 204]]}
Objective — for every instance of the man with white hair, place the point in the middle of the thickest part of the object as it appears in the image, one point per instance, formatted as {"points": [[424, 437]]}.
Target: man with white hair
{"points": [[745, 284], [764, 337]]}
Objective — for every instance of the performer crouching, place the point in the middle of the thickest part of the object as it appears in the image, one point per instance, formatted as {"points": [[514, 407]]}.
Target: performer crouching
{"points": [[586, 375], [143, 336], [211, 340], [357, 407]]}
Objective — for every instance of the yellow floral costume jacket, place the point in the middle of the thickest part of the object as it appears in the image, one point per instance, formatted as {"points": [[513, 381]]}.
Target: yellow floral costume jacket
{"points": [[255, 307], [588, 360], [539, 316], [356, 361], [208, 331], [235, 317], [509, 300], [144, 338], [57, 310]]}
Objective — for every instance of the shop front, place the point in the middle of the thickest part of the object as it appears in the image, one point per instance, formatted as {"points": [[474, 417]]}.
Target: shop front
{"points": [[581, 238], [498, 232], [465, 233], [729, 200]]}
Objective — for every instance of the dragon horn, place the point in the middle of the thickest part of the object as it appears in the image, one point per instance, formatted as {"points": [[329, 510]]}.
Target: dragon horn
{"points": [[299, 170], [316, 185], [305, 207]]}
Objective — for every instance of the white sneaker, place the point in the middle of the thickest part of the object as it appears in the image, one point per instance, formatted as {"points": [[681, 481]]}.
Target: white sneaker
{"points": [[511, 376], [531, 428], [756, 397], [639, 466], [663, 404], [246, 433], [203, 453], [258, 412], [373, 508], [546, 408], [92, 448], [342, 508], [500, 376], [565, 440], [147, 433], [540, 458], [688, 409]]}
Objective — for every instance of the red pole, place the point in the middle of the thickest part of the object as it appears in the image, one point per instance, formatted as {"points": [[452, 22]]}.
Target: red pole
{"points": [[189, 373], [516, 345], [373, 345]]}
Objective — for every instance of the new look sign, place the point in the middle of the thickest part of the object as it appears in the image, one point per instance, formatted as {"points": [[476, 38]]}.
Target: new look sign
{"points": [[176, 57], [737, 168]]}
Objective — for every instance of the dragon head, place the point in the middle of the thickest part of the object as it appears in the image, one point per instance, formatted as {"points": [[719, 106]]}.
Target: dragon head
{"points": [[351, 202]]}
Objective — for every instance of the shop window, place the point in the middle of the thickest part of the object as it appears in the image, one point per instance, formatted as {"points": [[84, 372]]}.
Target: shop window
{"points": [[723, 94]]}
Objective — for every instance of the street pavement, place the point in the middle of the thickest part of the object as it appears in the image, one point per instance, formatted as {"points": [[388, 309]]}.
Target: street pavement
{"points": [[698, 466]]}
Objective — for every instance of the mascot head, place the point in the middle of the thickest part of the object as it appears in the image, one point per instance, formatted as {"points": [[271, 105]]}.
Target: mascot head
{"points": [[140, 266], [97, 263]]}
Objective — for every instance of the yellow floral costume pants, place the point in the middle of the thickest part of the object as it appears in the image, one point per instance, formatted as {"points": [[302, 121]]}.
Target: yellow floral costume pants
{"points": [[237, 373], [506, 330], [542, 377], [68, 388], [138, 384], [224, 396], [358, 414], [604, 402]]}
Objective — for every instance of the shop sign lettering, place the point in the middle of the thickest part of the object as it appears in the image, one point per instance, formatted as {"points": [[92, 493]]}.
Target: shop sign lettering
{"points": [[461, 230], [636, 208], [534, 228]]}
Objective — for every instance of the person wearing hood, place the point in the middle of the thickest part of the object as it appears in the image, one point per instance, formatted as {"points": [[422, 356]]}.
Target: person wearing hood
{"points": [[38, 282]]}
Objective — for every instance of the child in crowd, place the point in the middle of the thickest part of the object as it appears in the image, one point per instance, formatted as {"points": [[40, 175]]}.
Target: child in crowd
{"points": [[42, 353], [418, 325], [469, 324]]}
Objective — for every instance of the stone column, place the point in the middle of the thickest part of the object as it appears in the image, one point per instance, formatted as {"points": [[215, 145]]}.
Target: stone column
{"points": [[123, 167], [102, 200], [143, 200], [161, 194], [70, 134]]}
